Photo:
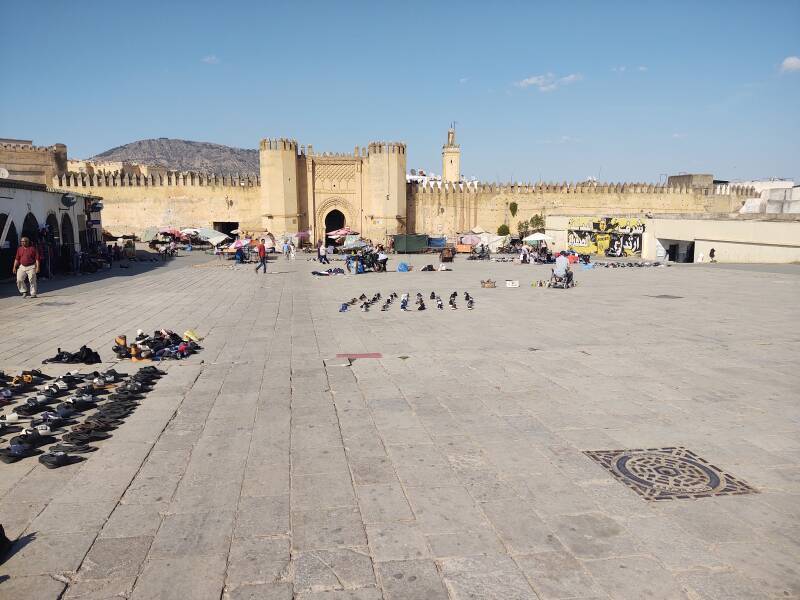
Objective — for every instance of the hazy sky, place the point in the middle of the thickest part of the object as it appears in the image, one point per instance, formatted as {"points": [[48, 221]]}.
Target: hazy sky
{"points": [[552, 91]]}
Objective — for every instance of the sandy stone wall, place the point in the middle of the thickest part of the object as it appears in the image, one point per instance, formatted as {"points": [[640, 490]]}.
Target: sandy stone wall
{"points": [[450, 209], [131, 208], [36, 164]]}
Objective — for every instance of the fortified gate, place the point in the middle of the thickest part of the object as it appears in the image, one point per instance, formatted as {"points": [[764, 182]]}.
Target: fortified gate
{"points": [[304, 191]]}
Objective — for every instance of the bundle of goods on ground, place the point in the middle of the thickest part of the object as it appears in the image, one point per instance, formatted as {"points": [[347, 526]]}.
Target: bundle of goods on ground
{"points": [[85, 355], [328, 272], [366, 303], [161, 345], [69, 413]]}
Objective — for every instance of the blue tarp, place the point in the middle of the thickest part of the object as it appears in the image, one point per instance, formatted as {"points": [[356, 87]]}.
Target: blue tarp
{"points": [[437, 242]]}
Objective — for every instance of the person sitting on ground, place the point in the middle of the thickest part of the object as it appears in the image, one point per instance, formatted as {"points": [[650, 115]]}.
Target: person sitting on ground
{"points": [[383, 258], [26, 267], [562, 270]]}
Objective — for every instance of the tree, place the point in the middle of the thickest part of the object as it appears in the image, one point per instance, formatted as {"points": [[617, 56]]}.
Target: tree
{"points": [[537, 223], [524, 228], [513, 209], [503, 229]]}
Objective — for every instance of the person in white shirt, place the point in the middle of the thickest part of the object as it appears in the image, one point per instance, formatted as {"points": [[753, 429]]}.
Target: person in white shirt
{"points": [[322, 254], [562, 270], [383, 258]]}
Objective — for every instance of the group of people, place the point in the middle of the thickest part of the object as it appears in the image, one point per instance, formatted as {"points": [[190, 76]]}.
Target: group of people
{"points": [[289, 249], [528, 254]]}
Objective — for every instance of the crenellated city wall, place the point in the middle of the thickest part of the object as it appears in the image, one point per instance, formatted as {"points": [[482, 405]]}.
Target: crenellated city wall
{"points": [[133, 203], [35, 164], [447, 209]]}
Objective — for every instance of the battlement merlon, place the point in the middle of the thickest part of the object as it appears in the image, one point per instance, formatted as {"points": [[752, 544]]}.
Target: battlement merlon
{"points": [[12, 147], [386, 148], [171, 179], [577, 188], [279, 144]]}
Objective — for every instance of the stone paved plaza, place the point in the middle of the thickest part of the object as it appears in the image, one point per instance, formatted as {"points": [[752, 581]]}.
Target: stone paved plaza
{"points": [[452, 466]]}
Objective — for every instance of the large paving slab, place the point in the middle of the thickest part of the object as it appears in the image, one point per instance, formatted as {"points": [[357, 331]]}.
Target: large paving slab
{"points": [[451, 466]]}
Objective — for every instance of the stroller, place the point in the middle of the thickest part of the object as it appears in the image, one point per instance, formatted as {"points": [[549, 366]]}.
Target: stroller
{"points": [[563, 282]]}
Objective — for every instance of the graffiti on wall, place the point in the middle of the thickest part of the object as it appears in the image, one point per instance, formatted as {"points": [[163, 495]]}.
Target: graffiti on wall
{"points": [[620, 236]]}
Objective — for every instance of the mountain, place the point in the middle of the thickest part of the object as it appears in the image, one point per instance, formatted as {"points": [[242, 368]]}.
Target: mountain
{"points": [[184, 155]]}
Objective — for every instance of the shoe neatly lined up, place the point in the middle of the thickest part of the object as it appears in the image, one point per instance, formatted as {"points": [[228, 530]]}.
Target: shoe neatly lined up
{"points": [[50, 416], [366, 303]]}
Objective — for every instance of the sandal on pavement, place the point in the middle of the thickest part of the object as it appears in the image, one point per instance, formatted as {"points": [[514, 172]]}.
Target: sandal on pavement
{"points": [[32, 437], [16, 452], [84, 437], [54, 460], [73, 448]]}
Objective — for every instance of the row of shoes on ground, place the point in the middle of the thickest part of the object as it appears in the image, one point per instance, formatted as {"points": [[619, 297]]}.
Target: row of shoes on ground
{"points": [[366, 303], [163, 344], [11, 386], [95, 427], [548, 283]]}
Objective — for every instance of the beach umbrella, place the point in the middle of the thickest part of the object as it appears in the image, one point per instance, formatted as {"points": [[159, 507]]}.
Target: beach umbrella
{"points": [[538, 237], [344, 231], [212, 236], [148, 234], [472, 240]]}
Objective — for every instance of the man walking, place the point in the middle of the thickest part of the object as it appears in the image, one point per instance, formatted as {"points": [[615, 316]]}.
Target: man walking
{"points": [[322, 254], [262, 256], [26, 266]]}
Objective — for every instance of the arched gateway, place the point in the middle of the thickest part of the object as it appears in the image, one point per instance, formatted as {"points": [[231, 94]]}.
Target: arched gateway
{"points": [[334, 220]]}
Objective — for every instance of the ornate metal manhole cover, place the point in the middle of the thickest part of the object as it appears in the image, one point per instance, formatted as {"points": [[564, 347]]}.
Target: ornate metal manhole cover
{"points": [[668, 473]]}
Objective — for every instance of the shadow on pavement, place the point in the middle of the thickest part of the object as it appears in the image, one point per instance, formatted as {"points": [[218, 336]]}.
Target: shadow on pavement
{"points": [[16, 546], [145, 261]]}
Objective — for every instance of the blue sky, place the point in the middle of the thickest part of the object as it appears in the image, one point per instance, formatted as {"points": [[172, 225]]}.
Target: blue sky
{"points": [[628, 91]]}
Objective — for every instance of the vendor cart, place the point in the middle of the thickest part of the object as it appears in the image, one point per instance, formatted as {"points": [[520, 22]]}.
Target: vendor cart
{"points": [[447, 254]]}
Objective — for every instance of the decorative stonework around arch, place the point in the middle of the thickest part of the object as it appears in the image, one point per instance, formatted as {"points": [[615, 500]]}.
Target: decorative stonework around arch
{"points": [[340, 204]]}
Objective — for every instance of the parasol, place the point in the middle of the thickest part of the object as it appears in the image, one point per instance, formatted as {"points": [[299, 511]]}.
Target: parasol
{"points": [[344, 231], [538, 237]]}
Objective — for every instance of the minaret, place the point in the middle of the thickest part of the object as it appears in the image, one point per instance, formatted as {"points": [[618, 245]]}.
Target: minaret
{"points": [[451, 158]]}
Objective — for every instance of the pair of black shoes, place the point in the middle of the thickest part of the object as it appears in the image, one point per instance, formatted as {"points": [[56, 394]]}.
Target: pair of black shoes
{"points": [[57, 459]]}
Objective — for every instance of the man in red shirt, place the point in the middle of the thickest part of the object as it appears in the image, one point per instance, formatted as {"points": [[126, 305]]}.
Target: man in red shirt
{"points": [[26, 266], [262, 256]]}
